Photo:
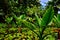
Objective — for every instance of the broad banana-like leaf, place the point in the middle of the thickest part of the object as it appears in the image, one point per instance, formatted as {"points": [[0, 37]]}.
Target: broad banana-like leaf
{"points": [[29, 25], [47, 16], [18, 18], [38, 19], [9, 19], [58, 16], [21, 17], [56, 21]]}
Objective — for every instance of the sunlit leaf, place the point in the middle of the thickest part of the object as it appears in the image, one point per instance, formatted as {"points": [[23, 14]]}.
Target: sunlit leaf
{"points": [[38, 19], [47, 17]]}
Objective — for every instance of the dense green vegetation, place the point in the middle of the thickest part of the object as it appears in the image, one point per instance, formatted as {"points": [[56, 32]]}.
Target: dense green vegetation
{"points": [[26, 20]]}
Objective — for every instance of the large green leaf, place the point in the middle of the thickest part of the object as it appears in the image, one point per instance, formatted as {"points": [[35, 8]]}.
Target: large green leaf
{"points": [[9, 19], [28, 24], [57, 21], [58, 16], [38, 19], [47, 16]]}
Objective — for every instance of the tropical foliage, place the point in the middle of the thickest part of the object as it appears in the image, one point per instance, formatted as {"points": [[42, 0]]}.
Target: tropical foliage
{"points": [[26, 20]]}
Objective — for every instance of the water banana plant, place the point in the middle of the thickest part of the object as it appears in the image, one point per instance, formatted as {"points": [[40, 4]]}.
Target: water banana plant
{"points": [[42, 23]]}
